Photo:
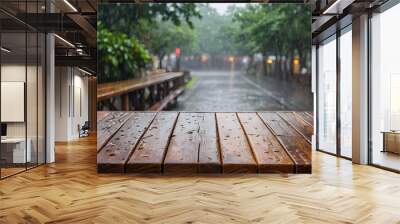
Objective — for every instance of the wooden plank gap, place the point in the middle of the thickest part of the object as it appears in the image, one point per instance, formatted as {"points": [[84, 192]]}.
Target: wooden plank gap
{"points": [[118, 150], [268, 152], [209, 155], [279, 140], [141, 136], [235, 149], [104, 134], [304, 117], [169, 142], [296, 125], [248, 142], [150, 152]]}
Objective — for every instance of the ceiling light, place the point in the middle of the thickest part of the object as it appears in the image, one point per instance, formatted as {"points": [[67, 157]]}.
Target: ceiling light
{"points": [[65, 41], [5, 50], [84, 71], [70, 5], [337, 7], [80, 51]]}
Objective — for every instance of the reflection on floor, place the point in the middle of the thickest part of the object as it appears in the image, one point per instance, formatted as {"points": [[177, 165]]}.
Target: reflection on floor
{"points": [[387, 159], [10, 171], [71, 191]]}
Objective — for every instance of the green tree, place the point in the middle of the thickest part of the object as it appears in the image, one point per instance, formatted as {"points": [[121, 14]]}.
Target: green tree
{"points": [[136, 19], [167, 36], [129, 33], [210, 39], [119, 56], [280, 30]]}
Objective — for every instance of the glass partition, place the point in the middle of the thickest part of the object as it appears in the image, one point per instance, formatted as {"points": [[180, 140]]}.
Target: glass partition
{"points": [[385, 89], [327, 95], [31, 97], [346, 93], [22, 101], [14, 153]]}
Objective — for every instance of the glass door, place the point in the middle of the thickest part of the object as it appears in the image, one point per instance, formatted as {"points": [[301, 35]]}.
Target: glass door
{"points": [[385, 89], [327, 96], [14, 153], [346, 92], [22, 101]]}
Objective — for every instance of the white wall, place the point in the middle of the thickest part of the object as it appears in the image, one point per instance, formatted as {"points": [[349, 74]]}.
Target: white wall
{"points": [[61, 104], [81, 94], [70, 83], [50, 95]]}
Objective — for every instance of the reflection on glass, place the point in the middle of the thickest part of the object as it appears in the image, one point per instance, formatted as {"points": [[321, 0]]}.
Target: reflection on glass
{"points": [[386, 89], [346, 94], [327, 96], [15, 151], [31, 97], [22, 92]]}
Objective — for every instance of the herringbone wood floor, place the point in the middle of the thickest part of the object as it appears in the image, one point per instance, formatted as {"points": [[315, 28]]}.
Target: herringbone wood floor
{"points": [[70, 191]]}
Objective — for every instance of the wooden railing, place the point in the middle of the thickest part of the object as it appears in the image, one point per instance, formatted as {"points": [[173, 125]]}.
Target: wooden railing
{"points": [[153, 92]]}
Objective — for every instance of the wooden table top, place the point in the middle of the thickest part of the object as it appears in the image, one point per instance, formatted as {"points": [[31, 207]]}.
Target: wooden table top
{"points": [[196, 142]]}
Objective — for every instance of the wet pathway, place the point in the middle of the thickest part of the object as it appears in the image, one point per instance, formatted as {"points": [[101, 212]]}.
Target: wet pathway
{"points": [[233, 91]]}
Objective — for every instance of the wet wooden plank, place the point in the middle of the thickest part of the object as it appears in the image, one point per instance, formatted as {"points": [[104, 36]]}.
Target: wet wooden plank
{"points": [[193, 145], [246, 142], [209, 153], [298, 148], [270, 155], [116, 152], [301, 126], [183, 150], [150, 152], [112, 89], [107, 127], [307, 118], [236, 153]]}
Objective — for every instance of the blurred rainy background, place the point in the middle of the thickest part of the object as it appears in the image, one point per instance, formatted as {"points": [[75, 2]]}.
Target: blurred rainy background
{"points": [[204, 57]]}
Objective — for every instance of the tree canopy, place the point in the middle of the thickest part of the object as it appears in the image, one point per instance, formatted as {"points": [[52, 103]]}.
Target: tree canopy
{"points": [[129, 33], [278, 31]]}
